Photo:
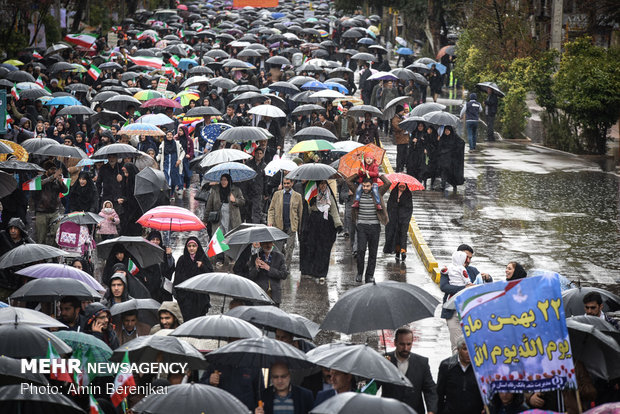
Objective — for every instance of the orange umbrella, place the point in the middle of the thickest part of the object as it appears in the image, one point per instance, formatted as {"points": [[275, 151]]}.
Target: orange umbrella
{"points": [[351, 162]]}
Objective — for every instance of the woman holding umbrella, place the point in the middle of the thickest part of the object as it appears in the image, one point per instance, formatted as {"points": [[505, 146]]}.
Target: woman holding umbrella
{"points": [[417, 153], [156, 277], [170, 157], [223, 206], [131, 209], [451, 151], [194, 261], [399, 209], [319, 232]]}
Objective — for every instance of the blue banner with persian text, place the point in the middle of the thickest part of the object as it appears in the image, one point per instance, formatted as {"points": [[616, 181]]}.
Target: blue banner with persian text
{"points": [[516, 336]]}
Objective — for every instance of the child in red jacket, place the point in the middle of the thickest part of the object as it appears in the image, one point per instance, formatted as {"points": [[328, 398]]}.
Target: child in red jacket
{"points": [[369, 169]]}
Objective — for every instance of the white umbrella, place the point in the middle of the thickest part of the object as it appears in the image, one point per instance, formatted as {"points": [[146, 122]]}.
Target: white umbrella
{"points": [[223, 155], [278, 164], [267, 110], [383, 76], [327, 93], [195, 80], [346, 146]]}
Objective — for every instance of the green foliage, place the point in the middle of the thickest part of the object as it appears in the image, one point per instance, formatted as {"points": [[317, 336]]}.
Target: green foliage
{"points": [[100, 14], [558, 132], [541, 81], [587, 88], [16, 42], [52, 29]]}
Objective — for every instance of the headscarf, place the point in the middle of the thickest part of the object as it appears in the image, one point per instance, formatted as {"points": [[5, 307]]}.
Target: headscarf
{"points": [[170, 146], [519, 272], [182, 139], [323, 200], [225, 191]]}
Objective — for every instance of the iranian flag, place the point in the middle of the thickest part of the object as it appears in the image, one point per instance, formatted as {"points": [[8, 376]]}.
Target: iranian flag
{"points": [[94, 406], [52, 355], [85, 40], [36, 55], [131, 266], [32, 185], [181, 33], [311, 190], [153, 62], [250, 147], [217, 245], [174, 60], [14, 92], [67, 182], [120, 382], [39, 82], [94, 72], [84, 377]]}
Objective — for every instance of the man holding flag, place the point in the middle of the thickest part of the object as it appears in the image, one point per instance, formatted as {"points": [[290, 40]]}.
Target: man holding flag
{"points": [[46, 202], [285, 213]]}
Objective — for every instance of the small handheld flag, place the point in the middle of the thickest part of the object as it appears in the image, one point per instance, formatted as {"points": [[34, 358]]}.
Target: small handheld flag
{"points": [[131, 266], [94, 72], [217, 245], [311, 190], [14, 92]]}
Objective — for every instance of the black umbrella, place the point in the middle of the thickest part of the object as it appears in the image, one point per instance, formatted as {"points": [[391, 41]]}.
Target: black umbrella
{"points": [[83, 218], [146, 253], [573, 300], [76, 110], [60, 66], [271, 317], [494, 88], [361, 403], [118, 149], [359, 360], [200, 70], [159, 348], [7, 184], [203, 111], [190, 398], [600, 324], [18, 399], [411, 123], [52, 289], [26, 341], [29, 253], [300, 80], [361, 110], [105, 95], [441, 118], [250, 97], [244, 88], [217, 327], [223, 83], [307, 109], [19, 76], [120, 103], [77, 87], [418, 67], [313, 171], [13, 315], [33, 93], [278, 60], [19, 166], [597, 351], [106, 117], [147, 309], [259, 353], [11, 373], [61, 150], [244, 134], [315, 132], [364, 56], [6, 149], [33, 144], [149, 187], [226, 284], [383, 305], [256, 234], [426, 108]]}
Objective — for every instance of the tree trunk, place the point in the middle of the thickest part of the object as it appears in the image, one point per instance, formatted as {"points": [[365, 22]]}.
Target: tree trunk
{"points": [[434, 25]]}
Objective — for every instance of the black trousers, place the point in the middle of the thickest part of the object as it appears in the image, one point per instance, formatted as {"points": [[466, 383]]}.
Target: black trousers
{"points": [[401, 157], [367, 235]]}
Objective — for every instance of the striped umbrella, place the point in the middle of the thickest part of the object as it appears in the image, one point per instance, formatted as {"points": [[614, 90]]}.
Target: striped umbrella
{"points": [[142, 129], [171, 218], [185, 97], [145, 95], [311, 145]]}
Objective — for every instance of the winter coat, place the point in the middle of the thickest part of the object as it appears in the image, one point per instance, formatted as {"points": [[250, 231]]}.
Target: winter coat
{"points": [[457, 390], [180, 155], [192, 304], [269, 280], [351, 126], [275, 215], [215, 204], [84, 198], [46, 200], [399, 214], [400, 135], [368, 135], [107, 226]]}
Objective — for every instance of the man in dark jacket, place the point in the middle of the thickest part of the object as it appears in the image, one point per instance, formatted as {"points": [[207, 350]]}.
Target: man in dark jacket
{"points": [[267, 268], [46, 201], [282, 396], [70, 314], [98, 324], [456, 384], [256, 187], [15, 235], [109, 181], [415, 367], [491, 110], [368, 132], [323, 122]]}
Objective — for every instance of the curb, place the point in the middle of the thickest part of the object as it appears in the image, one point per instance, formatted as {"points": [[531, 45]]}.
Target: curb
{"points": [[418, 241]]}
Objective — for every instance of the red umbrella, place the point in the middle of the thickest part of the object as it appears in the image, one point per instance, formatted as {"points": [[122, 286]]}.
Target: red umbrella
{"points": [[169, 103], [182, 7], [412, 183], [171, 218]]}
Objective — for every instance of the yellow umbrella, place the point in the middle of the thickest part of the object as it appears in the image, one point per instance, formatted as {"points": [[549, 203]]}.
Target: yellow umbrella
{"points": [[374, 29], [352, 99], [14, 62], [19, 153], [311, 145]]}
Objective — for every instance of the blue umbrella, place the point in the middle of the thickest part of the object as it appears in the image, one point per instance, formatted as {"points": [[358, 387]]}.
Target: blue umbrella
{"points": [[186, 63], [63, 100], [314, 86], [8, 66], [366, 41], [238, 172], [89, 161], [3, 305], [441, 68], [211, 132], [404, 51], [337, 87], [277, 15]]}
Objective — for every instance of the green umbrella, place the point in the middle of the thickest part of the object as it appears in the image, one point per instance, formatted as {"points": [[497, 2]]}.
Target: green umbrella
{"points": [[311, 146], [84, 343]]}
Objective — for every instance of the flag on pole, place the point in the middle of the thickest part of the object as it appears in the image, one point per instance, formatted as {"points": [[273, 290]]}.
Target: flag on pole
{"points": [[32, 185], [94, 72], [311, 190], [132, 268], [67, 182], [85, 40], [121, 382], [181, 33], [14, 92], [216, 244], [94, 406], [39, 82], [174, 60], [36, 55], [56, 375], [84, 377], [153, 62]]}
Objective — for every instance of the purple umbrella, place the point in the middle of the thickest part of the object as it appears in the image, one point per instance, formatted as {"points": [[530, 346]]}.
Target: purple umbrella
{"points": [[278, 44], [56, 270]]}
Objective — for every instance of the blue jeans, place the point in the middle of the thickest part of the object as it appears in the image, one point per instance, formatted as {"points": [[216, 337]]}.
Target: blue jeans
{"points": [[375, 193], [472, 133]]}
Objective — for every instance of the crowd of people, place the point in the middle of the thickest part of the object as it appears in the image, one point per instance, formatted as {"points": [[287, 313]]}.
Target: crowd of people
{"points": [[173, 88]]}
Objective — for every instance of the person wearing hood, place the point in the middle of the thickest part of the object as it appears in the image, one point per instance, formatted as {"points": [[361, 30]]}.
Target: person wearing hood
{"points": [[187, 144], [194, 261], [108, 227], [83, 195], [130, 212], [471, 114], [451, 159], [118, 291], [225, 199], [158, 277], [135, 288], [15, 235], [170, 157], [98, 324], [170, 316]]}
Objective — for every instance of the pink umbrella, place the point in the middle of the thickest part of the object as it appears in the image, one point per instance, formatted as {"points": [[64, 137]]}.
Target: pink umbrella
{"points": [[161, 102], [171, 218], [182, 7], [609, 408]]}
